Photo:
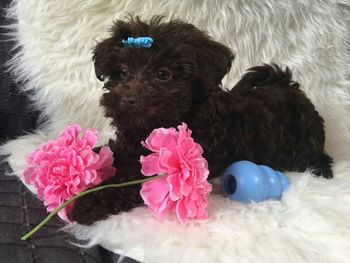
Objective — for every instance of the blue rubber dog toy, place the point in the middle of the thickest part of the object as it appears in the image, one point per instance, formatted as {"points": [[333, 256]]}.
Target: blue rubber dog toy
{"points": [[138, 42], [246, 182]]}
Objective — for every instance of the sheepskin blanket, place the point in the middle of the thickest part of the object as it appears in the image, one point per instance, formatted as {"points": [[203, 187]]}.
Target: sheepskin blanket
{"points": [[312, 221]]}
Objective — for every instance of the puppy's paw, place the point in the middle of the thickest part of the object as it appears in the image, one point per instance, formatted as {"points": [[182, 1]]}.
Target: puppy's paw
{"points": [[99, 205], [89, 209]]}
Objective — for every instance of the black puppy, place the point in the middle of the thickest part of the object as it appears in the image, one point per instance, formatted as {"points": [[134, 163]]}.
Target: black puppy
{"points": [[266, 118]]}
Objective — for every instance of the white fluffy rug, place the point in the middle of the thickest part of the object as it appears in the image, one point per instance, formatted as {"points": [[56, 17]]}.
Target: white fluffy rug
{"points": [[310, 224]]}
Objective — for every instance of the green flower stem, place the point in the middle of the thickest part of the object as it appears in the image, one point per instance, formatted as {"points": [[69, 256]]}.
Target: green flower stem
{"points": [[54, 212]]}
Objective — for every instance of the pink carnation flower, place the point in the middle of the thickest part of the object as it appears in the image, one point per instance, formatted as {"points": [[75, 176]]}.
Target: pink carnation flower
{"points": [[60, 169], [185, 188]]}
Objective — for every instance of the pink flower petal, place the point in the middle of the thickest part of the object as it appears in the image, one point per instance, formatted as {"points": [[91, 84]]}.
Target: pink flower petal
{"points": [[191, 206], [160, 138], [88, 158], [91, 137], [62, 168], [174, 187], [185, 189], [165, 207], [68, 136], [104, 158], [181, 211], [65, 211], [154, 192], [150, 165], [168, 161]]}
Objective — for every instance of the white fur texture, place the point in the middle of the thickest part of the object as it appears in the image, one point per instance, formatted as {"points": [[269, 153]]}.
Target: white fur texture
{"points": [[310, 224]]}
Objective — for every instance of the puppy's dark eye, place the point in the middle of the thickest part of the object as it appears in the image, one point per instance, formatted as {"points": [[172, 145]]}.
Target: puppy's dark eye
{"points": [[124, 72], [163, 75]]}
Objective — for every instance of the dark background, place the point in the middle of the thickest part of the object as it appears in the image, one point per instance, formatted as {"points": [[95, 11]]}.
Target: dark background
{"points": [[15, 118], [20, 210]]}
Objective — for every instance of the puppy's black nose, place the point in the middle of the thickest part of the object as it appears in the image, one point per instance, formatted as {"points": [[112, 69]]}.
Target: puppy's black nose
{"points": [[128, 101]]}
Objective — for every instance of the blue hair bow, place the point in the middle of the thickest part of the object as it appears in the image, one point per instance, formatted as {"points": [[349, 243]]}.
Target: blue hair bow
{"points": [[138, 42]]}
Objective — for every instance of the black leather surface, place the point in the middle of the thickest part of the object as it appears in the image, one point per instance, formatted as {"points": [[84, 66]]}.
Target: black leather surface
{"points": [[20, 210], [15, 116]]}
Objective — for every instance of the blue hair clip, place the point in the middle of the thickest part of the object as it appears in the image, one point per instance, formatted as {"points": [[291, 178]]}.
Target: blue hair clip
{"points": [[138, 42]]}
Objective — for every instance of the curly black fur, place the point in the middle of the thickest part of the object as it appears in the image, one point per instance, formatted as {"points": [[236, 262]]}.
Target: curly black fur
{"points": [[266, 118]]}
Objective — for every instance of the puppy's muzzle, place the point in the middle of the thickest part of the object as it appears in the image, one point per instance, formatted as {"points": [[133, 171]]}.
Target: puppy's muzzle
{"points": [[128, 101]]}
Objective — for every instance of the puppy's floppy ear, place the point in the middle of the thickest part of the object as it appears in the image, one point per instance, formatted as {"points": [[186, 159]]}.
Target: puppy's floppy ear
{"points": [[102, 57], [214, 61], [212, 58], [107, 53]]}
